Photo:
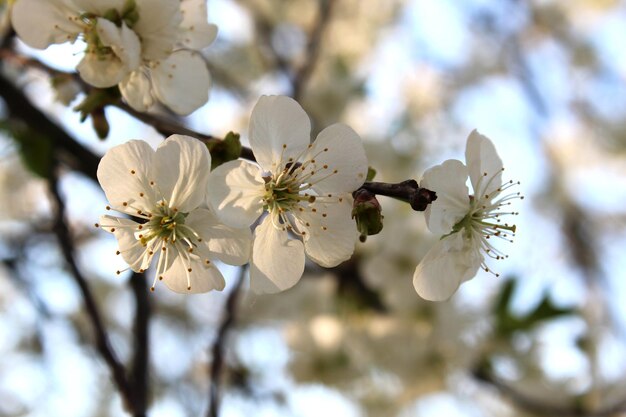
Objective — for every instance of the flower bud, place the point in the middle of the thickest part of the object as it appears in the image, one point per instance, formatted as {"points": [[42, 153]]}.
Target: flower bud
{"points": [[368, 214]]}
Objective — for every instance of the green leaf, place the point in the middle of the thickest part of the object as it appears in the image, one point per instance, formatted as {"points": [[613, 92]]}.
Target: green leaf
{"points": [[35, 149], [507, 323], [371, 173], [224, 150]]}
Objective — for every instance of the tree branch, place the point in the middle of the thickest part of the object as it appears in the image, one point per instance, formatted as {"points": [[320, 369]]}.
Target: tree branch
{"points": [[102, 340], [87, 163], [408, 191], [139, 373], [541, 408], [230, 312], [169, 127], [305, 71], [66, 148]]}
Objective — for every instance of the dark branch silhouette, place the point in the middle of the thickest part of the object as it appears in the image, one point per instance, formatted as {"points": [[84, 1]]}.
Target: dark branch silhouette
{"points": [[139, 373], [102, 339], [217, 351], [304, 72]]}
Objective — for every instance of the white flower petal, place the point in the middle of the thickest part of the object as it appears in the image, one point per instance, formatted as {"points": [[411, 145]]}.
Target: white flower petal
{"points": [[196, 32], [133, 252], [279, 129], [229, 245], [277, 261], [340, 150], [158, 27], [40, 23], [483, 163], [124, 174], [101, 72], [98, 7], [452, 204], [200, 279], [181, 167], [450, 262], [182, 81], [331, 233], [123, 40], [108, 70], [136, 90], [235, 192]]}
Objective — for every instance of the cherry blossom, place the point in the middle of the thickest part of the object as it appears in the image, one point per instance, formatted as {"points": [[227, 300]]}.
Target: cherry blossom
{"points": [[146, 47], [467, 223], [303, 187], [166, 191]]}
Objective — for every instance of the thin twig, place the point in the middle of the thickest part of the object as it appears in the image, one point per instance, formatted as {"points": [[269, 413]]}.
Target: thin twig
{"points": [[304, 72], [230, 313], [66, 148], [408, 191], [139, 373], [541, 408], [86, 162], [170, 127], [102, 340]]}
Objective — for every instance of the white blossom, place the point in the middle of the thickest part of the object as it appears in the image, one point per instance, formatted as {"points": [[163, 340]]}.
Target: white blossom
{"points": [[166, 190], [146, 47], [304, 188], [466, 223]]}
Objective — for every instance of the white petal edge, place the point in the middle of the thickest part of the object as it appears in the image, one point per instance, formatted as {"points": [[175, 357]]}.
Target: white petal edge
{"points": [[200, 279], [182, 82], [40, 23], [181, 168], [483, 163], [451, 261], [158, 27], [277, 261], [196, 32], [340, 150], [235, 193], [137, 90], [124, 175], [229, 245], [131, 250], [331, 235], [279, 129], [448, 180]]}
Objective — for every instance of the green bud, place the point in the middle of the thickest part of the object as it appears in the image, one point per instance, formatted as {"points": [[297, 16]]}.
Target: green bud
{"points": [[371, 173], [367, 212], [224, 150], [100, 123], [97, 97]]}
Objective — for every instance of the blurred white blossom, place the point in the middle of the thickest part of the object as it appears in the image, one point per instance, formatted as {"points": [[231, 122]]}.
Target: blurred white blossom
{"points": [[146, 47]]}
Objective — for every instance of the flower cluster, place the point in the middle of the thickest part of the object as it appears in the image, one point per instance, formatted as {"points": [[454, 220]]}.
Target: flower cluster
{"points": [[304, 189], [466, 223], [148, 48], [297, 198]]}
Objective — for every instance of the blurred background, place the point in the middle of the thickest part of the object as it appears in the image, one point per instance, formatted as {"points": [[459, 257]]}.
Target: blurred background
{"points": [[544, 79]]}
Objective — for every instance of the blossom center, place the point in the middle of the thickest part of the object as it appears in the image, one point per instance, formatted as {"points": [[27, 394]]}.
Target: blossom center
{"points": [[284, 192], [484, 218], [166, 223]]}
